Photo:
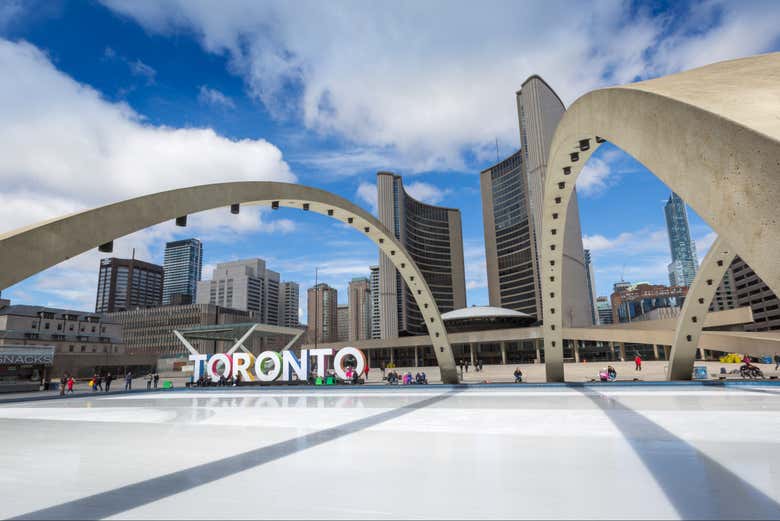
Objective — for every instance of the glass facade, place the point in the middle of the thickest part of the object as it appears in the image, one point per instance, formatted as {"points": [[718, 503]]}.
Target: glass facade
{"points": [[512, 227], [183, 264], [682, 269]]}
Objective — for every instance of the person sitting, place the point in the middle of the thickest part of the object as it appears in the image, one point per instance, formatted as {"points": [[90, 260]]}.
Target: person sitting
{"points": [[354, 378], [349, 374], [423, 378], [611, 373], [603, 375], [417, 378], [518, 375]]}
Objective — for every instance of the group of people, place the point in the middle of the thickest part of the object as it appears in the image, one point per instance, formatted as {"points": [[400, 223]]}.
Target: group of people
{"points": [[608, 374], [152, 378], [394, 378], [205, 381], [466, 363], [100, 382]]}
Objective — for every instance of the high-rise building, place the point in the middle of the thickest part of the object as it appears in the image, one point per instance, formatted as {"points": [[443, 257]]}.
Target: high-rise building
{"points": [[374, 281], [432, 235], [342, 323], [590, 271], [183, 264], [289, 302], [745, 288], [322, 307], [539, 111], [359, 295], [244, 285], [513, 281], [604, 309], [682, 269], [125, 284]]}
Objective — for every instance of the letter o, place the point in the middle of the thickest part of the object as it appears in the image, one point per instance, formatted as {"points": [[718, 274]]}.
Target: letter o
{"points": [[271, 375], [216, 359], [338, 361]]}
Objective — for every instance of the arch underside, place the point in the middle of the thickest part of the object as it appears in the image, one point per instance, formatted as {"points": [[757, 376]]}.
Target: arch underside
{"points": [[32, 249], [711, 134]]}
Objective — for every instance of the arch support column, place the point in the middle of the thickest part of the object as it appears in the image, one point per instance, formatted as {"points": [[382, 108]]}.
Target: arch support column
{"points": [[697, 304]]}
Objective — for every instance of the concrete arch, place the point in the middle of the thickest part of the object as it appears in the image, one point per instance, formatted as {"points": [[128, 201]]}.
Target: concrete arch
{"points": [[711, 134], [29, 250], [697, 304]]}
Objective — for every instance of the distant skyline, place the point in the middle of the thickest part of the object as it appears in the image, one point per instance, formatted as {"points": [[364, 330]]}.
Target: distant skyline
{"points": [[113, 99]]}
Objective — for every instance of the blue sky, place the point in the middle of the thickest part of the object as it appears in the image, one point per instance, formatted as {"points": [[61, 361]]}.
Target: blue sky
{"points": [[100, 101]]}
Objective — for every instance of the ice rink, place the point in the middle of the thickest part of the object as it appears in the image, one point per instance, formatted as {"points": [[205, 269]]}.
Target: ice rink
{"points": [[634, 451]]}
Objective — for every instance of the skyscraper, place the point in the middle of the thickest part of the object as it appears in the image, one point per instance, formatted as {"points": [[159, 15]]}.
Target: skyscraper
{"points": [[183, 263], [125, 284], [512, 195], [342, 323], [682, 269], [359, 296], [245, 285], [289, 295], [374, 281], [322, 306], [510, 255], [432, 235], [589, 270]]}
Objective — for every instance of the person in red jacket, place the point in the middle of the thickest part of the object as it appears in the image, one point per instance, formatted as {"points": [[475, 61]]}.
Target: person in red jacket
{"points": [[638, 362], [70, 384]]}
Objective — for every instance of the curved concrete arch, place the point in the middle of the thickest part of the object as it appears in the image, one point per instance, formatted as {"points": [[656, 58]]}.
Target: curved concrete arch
{"points": [[32, 249], [711, 134], [697, 305]]}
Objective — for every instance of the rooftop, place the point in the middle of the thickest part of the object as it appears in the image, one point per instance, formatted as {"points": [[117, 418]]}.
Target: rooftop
{"points": [[475, 312]]}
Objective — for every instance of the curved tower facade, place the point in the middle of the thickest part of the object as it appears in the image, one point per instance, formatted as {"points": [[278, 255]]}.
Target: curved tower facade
{"points": [[432, 235], [539, 111]]}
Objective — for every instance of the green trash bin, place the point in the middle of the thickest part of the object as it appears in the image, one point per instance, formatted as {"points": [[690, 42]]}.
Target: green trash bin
{"points": [[330, 380], [318, 381], [167, 384]]}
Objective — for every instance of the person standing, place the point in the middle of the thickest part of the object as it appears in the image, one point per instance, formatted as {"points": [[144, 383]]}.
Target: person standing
{"points": [[70, 385], [638, 362], [149, 379], [383, 367], [108, 381], [129, 381], [777, 361], [63, 383], [156, 379]]}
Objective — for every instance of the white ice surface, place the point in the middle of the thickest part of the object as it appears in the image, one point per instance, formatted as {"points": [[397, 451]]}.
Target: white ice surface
{"points": [[505, 453]]}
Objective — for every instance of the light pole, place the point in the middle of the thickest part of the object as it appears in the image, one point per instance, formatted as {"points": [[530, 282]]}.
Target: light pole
{"points": [[316, 304]]}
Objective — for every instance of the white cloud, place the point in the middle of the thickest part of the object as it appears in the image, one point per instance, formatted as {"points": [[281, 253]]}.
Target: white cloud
{"points": [[366, 192], [644, 241], [425, 192], [66, 148], [476, 266], [383, 76], [595, 178], [208, 96]]}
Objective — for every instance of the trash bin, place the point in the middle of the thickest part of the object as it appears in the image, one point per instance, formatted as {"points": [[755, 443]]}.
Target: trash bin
{"points": [[167, 384], [700, 372]]}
